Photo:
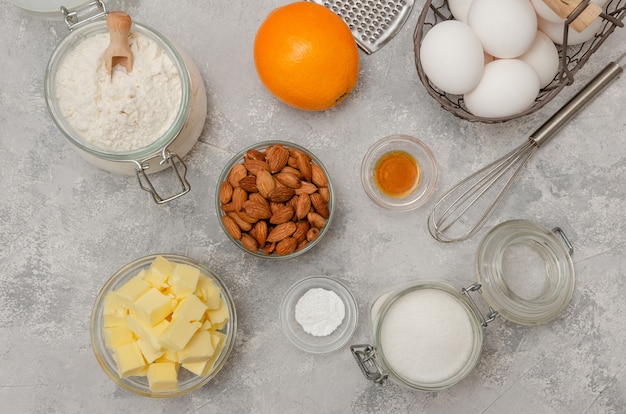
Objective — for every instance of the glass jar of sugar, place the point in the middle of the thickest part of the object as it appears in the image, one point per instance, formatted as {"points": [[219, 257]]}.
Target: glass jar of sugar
{"points": [[428, 335], [134, 123]]}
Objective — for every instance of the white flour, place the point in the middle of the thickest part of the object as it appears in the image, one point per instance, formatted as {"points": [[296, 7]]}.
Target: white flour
{"points": [[125, 111], [320, 311]]}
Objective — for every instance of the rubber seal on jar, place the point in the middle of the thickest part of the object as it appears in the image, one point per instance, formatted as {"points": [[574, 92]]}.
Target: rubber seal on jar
{"points": [[525, 271]]}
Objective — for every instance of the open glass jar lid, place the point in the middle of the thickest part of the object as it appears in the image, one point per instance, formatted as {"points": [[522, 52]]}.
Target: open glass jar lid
{"points": [[428, 335], [47, 8]]}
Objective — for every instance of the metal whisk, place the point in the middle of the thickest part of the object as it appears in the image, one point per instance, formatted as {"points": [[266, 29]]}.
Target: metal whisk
{"points": [[451, 217]]}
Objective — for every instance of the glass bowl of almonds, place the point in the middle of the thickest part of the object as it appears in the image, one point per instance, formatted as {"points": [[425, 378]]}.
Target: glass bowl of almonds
{"points": [[275, 199]]}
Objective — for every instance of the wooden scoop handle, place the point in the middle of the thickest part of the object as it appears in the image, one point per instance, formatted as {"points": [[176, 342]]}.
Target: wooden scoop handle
{"points": [[118, 51], [564, 8]]}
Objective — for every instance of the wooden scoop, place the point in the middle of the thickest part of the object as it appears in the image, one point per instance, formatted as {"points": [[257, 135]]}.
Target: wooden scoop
{"points": [[118, 52], [564, 8]]}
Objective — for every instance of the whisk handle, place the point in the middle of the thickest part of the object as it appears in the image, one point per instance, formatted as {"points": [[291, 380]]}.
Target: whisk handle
{"points": [[571, 108]]}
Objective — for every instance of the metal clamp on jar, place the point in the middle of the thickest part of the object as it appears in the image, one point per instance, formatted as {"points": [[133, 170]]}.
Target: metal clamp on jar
{"points": [[157, 150], [428, 335]]}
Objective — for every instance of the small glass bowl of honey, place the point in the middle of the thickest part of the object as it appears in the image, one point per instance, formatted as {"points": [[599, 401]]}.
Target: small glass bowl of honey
{"points": [[399, 173]]}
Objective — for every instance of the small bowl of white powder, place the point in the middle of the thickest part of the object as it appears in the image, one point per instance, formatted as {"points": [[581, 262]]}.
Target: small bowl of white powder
{"points": [[318, 314]]}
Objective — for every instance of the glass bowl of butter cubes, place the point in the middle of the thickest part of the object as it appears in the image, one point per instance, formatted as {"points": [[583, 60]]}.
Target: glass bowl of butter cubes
{"points": [[163, 325]]}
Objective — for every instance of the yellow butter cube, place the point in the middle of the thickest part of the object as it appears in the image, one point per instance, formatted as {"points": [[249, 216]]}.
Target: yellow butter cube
{"points": [[153, 306], [212, 298], [159, 272], [178, 334], [190, 308], [129, 360], [218, 339], [219, 316], [131, 290], [206, 325], [149, 352], [199, 348], [113, 313], [184, 279], [162, 376], [137, 326], [117, 336]]}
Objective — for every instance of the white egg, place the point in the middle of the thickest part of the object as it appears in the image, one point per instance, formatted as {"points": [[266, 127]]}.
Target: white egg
{"points": [[506, 28], [508, 87], [555, 31], [452, 57], [543, 57], [459, 9], [545, 12]]}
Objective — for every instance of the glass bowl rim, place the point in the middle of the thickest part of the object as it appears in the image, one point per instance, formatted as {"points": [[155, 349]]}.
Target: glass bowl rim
{"points": [[236, 159], [344, 331], [124, 273], [426, 162]]}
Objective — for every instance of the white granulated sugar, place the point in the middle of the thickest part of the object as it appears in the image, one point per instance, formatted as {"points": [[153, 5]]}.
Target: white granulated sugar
{"points": [[426, 336], [320, 312], [123, 112]]}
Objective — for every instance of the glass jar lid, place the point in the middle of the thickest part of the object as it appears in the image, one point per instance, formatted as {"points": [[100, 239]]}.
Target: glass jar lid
{"points": [[47, 8], [525, 271]]}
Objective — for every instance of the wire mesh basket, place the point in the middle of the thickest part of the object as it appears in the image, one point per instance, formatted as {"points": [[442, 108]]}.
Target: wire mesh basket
{"points": [[571, 57]]}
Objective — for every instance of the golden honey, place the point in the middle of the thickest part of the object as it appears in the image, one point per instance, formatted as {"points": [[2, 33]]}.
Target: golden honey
{"points": [[397, 174]]}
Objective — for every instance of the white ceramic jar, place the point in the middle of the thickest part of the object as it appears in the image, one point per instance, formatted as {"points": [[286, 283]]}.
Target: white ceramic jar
{"points": [[164, 151], [428, 335]]}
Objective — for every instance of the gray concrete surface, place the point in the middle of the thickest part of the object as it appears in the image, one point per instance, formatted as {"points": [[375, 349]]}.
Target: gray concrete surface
{"points": [[67, 226]]}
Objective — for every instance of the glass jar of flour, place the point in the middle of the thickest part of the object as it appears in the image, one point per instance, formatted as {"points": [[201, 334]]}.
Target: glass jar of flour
{"points": [[428, 335], [135, 123]]}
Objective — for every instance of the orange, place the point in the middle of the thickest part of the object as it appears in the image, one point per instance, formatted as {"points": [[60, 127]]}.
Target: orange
{"points": [[306, 57]]}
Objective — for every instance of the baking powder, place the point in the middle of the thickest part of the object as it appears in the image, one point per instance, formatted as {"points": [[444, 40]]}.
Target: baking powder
{"points": [[125, 111], [320, 311]]}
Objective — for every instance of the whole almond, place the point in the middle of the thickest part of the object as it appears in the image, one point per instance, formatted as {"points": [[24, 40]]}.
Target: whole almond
{"points": [[277, 157], [317, 176], [228, 207], [259, 232], [325, 193], [293, 202], [312, 234], [248, 183], [281, 231], [293, 163], [254, 166], [304, 165], [306, 188], [256, 197], [239, 197], [265, 182], [291, 170], [248, 219], [249, 242], [303, 206], [316, 220], [236, 174], [290, 180], [256, 210], [225, 193], [242, 224], [320, 206], [301, 229], [254, 154], [231, 227], [286, 246], [282, 214], [280, 194], [301, 245], [269, 248]]}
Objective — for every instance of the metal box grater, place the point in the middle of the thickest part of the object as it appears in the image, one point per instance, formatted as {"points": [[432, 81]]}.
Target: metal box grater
{"points": [[372, 23]]}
